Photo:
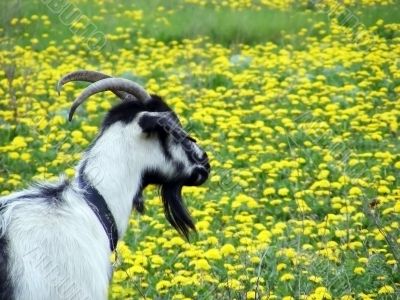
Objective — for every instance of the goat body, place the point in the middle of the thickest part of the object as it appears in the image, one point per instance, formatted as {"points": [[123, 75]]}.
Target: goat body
{"points": [[53, 245]]}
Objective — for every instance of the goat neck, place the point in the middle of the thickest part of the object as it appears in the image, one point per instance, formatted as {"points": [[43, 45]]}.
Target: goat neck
{"points": [[113, 166]]}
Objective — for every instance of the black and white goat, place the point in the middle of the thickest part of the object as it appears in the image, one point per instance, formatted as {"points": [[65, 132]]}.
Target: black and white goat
{"points": [[56, 239]]}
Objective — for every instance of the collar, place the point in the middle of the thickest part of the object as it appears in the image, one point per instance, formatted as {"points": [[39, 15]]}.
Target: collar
{"points": [[99, 206]]}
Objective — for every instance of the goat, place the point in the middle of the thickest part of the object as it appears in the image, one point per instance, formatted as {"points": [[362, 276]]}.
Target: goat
{"points": [[56, 238]]}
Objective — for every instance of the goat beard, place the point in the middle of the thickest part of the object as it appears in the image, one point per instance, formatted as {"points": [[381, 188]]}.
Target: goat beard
{"points": [[175, 210]]}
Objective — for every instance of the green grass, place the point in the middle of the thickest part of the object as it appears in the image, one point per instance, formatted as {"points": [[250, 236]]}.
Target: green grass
{"points": [[225, 27], [363, 111], [232, 27], [369, 16]]}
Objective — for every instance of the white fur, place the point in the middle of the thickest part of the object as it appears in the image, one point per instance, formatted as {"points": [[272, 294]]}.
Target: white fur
{"points": [[61, 251], [53, 249]]}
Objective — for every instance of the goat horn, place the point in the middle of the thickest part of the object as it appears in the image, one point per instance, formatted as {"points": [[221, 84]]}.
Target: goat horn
{"points": [[91, 76], [110, 84]]}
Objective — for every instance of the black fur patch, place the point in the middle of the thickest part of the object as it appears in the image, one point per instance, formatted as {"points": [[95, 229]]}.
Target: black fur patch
{"points": [[125, 112], [149, 177], [154, 177], [171, 194], [164, 145], [175, 210], [6, 288], [52, 193]]}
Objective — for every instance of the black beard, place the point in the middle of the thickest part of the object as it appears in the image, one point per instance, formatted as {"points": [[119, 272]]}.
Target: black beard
{"points": [[175, 210]]}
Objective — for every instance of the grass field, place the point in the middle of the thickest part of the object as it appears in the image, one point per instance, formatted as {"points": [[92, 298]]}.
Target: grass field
{"points": [[297, 103]]}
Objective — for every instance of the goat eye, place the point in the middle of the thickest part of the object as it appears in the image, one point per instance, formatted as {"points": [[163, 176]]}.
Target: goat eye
{"points": [[191, 139]]}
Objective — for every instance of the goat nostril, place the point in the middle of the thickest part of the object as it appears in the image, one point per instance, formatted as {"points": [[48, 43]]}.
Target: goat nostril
{"points": [[204, 159], [203, 175]]}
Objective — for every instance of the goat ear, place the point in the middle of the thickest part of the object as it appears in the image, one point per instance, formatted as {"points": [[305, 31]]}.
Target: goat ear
{"points": [[156, 122]]}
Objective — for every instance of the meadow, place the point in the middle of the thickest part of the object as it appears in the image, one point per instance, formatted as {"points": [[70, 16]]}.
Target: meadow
{"points": [[296, 102]]}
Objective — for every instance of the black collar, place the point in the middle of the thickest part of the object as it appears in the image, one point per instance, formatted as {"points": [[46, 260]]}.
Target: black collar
{"points": [[99, 206]]}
